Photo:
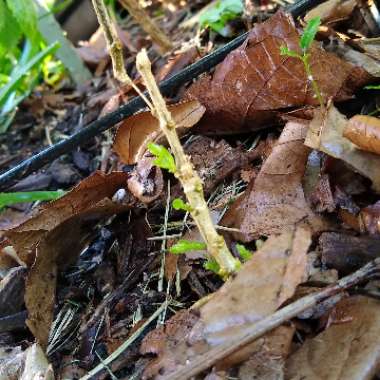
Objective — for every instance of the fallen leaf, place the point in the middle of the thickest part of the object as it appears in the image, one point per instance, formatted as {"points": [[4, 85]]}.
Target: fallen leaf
{"points": [[364, 132], [326, 134], [262, 285], [274, 201], [255, 82], [85, 195], [370, 46], [146, 182], [135, 132], [59, 248], [369, 219], [347, 253], [348, 350], [332, 11]]}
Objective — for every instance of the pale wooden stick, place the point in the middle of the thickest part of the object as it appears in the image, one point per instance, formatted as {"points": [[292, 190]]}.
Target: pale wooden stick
{"points": [[191, 183], [146, 22], [202, 362], [115, 47]]}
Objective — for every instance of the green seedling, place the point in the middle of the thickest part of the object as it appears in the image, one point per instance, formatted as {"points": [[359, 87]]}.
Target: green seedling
{"points": [[179, 204], [183, 246], [164, 159], [8, 199], [243, 252], [305, 42], [219, 15]]}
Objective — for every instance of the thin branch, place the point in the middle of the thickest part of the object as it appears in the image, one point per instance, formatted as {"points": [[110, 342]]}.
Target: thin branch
{"points": [[146, 22], [255, 331], [115, 47], [191, 182]]}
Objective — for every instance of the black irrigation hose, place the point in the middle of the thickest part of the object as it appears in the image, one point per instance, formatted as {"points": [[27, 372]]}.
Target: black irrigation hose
{"points": [[93, 129]]}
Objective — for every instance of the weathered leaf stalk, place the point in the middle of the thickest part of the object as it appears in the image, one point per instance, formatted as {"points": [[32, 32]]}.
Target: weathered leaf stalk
{"points": [[115, 48], [190, 180]]}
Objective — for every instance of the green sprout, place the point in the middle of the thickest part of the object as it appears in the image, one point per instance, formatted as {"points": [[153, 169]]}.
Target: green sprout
{"points": [[219, 15], [305, 42], [183, 246], [164, 159], [8, 199], [179, 204], [244, 253]]}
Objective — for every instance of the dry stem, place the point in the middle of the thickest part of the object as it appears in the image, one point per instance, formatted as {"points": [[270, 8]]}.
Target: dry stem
{"points": [[155, 33], [256, 330], [191, 183], [115, 48]]}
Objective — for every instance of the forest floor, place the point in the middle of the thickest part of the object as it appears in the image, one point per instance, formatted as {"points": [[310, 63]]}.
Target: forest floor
{"points": [[291, 184]]}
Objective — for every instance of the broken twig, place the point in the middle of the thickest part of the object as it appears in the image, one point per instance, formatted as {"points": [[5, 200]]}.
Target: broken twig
{"points": [[253, 332], [189, 178]]}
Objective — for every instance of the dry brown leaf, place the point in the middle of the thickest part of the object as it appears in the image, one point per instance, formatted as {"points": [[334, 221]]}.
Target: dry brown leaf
{"points": [[364, 132], [87, 194], [134, 133], [348, 350], [370, 46], [58, 249], [326, 134], [255, 81], [274, 201], [332, 10], [258, 289]]}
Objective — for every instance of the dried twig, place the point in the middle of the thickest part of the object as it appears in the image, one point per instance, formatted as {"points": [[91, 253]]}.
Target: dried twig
{"points": [[191, 183], [146, 22], [251, 333], [114, 47]]}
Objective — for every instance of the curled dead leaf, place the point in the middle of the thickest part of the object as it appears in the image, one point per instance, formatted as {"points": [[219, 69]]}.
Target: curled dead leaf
{"points": [[364, 132], [369, 219], [146, 181], [326, 134], [134, 133], [332, 10]]}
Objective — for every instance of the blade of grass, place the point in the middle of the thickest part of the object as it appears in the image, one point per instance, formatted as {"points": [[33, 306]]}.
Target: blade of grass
{"points": [[7, 199], [17, 76]]}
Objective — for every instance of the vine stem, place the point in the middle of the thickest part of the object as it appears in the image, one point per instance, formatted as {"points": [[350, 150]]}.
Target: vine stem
{"points": [[305, 59], [115, 48], [189, 178]]}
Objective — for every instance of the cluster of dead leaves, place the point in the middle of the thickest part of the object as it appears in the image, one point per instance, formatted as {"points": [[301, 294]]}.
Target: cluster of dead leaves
{"points": [[306, 176]]}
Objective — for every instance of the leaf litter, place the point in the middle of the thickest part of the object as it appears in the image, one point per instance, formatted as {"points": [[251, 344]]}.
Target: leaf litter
{"points": [[90, 276]]}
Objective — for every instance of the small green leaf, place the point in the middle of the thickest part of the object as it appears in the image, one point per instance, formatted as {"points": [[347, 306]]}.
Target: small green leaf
{"points": [[212, 265], [3, 15], [179, 204], [244, 253], [291, 53], [7, 199], [309, 33], [183, 246], [220, 14], [163, 159], [372, 87]]}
